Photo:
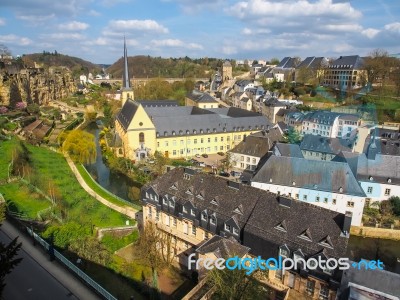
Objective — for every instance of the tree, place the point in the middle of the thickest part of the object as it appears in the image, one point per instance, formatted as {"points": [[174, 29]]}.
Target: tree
{"points": [[7, 253], [274, 61], [149, 244], [227, 162], [235, 284], [395, 202], [81, 146], [293, 136], [159, 162], [378, 66]]}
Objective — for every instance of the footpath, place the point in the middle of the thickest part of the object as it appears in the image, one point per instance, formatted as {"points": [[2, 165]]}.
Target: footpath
{"points": [[128, 211]]}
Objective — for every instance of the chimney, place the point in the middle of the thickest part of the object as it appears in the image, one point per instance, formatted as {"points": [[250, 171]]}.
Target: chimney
{"points": [[347, 223]]}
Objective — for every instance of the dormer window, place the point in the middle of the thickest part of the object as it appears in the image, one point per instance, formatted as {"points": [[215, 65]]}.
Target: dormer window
{"points": [[194, 131], [165, 133], [165, 201], [192, 212], [189, 192], [184, 209], [204, 216], [281, 226], [214, 201], [389, 180], [187, 132], [208, 130], [270, 180], [297, 256], [341, 190], [171, 203], [200, 196], [201, 131], [173, 132], [294, 182], [213, 220], [180, 132], [371, 178], [306, 235], [235, 231], [227, 227], [326, 242], [284, 251], [157, 134]]}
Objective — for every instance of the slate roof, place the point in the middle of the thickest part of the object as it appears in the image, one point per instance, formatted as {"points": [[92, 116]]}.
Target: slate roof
{"points": [[243, 82], [379, 280], [200, 97], [223, 247], [311, 62], [262, 236], [274, 102], [381, 169], [258, 144], [284, 111], [178, 120], [317, 175], [287, 63], [348, 62], [321, 144], [291, 150], [260, 212], [321, 117], [157, 103], [126, 113]]}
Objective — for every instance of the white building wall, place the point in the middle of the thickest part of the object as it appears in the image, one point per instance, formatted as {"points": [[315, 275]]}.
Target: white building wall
{"points": [[344, 202], [379, 191], [243, 162]]}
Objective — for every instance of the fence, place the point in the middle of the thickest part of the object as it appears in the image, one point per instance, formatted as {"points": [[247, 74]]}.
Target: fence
{"points": [[109, 193], [82, 275]]}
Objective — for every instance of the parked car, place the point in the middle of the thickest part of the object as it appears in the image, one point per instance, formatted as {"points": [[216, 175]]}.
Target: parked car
{"points": [[224, 174], [197, 155], [204, 155], [235, 173], [221, 153]]}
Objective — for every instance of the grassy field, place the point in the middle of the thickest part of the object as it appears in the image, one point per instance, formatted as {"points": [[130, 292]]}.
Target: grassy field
{"points": [[95, 187], [6, 150], [53, 175], [114, 243], [23, 200]]}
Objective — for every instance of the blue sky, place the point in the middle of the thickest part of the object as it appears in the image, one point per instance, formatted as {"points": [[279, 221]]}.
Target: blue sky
{"points": [[246, 29]]}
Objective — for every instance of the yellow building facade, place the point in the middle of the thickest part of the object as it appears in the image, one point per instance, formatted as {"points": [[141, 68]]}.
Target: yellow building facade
{"points": [[180, 131]]}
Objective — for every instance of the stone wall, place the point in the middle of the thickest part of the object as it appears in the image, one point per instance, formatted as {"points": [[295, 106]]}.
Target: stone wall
{"points": [[382, 233], [35, 85]]}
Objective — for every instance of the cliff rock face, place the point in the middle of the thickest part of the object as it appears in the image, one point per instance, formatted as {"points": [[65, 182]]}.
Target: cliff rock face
{"points": [[35, 85]]}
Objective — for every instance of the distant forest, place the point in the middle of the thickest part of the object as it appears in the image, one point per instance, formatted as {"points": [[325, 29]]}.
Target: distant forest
{"points": [[147, 66]]}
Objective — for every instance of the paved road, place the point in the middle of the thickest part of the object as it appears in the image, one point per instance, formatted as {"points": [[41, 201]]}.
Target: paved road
{"points": [[36, 277]]}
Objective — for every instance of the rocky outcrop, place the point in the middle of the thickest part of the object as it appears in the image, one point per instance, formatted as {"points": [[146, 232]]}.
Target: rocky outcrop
{"points": [[35, 85]]}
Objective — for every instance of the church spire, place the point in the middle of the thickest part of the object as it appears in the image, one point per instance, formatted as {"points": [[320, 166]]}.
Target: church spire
{"points": [[127, 91], [126, 83]]}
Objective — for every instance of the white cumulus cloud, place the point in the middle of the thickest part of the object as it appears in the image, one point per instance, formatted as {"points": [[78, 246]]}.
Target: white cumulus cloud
{"points": [[2, 22], [15, 40], [175, 43], [370, 32], [73, 26], [137, 25]]}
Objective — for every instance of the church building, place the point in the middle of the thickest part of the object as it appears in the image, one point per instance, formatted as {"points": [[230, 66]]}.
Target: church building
{"points": [[145, 126]]}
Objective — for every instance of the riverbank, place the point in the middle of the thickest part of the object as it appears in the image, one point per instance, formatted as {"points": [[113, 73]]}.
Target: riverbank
{"points": [[128, 211]]}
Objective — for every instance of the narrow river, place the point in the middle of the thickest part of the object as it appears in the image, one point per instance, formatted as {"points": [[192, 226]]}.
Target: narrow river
{"points": [[116, 183]]}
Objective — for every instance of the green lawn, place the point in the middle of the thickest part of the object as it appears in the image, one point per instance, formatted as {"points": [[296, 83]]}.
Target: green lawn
{"points": [[51, 169], [23, 200], [113, 243], [95, 187], [6, 149]]}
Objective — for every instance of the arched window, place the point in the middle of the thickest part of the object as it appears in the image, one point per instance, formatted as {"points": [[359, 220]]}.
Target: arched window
{"points": [[141, 137]]}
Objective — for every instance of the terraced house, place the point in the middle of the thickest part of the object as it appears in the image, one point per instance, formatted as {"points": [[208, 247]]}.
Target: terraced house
{"points": [[203, 213]]}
